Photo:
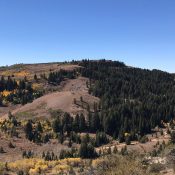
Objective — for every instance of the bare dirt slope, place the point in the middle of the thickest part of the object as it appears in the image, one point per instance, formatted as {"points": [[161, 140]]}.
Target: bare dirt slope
{"points": [[19, 71], [62, 100]]}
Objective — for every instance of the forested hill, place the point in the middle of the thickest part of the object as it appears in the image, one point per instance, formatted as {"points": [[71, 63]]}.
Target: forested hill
{"points": [[133, 100]]}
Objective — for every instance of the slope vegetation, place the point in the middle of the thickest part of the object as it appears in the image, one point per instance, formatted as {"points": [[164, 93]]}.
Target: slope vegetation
{"points": [[62, 100]]}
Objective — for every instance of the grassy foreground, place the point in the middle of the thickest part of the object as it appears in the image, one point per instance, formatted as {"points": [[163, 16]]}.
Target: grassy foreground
{"points": [[107, 165]]}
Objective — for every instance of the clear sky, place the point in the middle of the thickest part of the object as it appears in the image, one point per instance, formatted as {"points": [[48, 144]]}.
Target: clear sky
{"points": [[139, 32]]}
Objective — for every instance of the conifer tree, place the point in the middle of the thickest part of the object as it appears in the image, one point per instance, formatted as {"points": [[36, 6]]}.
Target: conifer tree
{"points": [[29, 130]]}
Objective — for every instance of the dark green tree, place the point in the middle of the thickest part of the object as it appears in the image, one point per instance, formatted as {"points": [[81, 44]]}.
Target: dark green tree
{"points": [[28, 128]]}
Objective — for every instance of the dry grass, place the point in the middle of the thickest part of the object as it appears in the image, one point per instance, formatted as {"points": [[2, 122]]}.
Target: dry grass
{"points": [[109, 165], [22, 74], [39, 166], [120, 165]]}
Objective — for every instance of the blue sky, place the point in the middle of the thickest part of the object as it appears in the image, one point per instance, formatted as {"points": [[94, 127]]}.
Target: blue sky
{"points": [[139, 32]]}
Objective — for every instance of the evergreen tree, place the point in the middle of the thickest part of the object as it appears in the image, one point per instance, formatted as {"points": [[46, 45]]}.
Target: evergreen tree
{"points": [[2, 150], [115, 150], [87, 149], [101, 138], [83, 150], [62, 154], [1, 100], [46, 138], [39, 127], [10, 116], [82, 123], [61, 137], [128, 140], [35, 77], [29, 130], [56, 125], [173, 137], [76, 123]]}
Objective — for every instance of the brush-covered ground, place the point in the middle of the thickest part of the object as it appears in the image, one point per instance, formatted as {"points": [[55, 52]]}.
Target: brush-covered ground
{"points": [[20, 155]]}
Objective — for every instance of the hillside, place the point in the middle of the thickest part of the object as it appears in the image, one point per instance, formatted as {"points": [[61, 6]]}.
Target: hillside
{"points": [[62, 100], [55, 112], [20, 71]]}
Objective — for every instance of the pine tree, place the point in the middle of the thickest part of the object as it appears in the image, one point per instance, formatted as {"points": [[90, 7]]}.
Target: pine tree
{"points": [[61, 137], [83, 150], [11, 145], [43, 155], [36, 136], [48, 156], [46, 138], [29, 130], [10, 116], [39, 127], [87, 150], [70, 143], [172, 137], [2, 150], [62, 154], [95, 123], [24, 154], [1, 100], [128, 140], [82, 123], [109, 150], [76, 123], [91, 153], [35, 77], [115, 150], [56, 125], [101, 138], [124, 150]]}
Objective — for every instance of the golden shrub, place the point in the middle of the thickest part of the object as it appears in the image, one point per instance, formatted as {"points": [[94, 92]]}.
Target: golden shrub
{"points": [[127, 134], [36, 86], [21, 74], [36, 166], [33, 171], [5, 93], [54, 163], [7, 73], [24, 165], [73, 161], [97, 162], [60, 168]]}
